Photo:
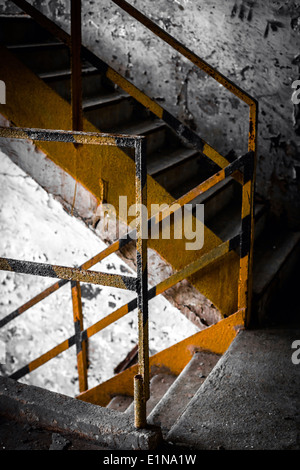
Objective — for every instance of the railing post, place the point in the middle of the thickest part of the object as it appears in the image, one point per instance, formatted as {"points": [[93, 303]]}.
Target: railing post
{"points": [[247, 229], [141, 384], [76, 78], [81, 346], [140, 419]]}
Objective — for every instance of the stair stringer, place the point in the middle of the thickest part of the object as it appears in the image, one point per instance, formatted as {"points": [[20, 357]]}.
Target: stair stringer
{"points": [[216, 338], [31, 103]]}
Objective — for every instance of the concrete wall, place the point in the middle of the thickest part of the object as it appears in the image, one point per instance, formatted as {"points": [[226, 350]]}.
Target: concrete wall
{"points": [[256, 44]]}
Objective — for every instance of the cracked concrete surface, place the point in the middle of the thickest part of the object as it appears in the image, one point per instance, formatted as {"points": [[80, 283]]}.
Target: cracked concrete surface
{"points": [[251, 398]]}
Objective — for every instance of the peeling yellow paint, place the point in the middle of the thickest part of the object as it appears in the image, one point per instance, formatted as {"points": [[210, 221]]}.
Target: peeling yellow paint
{"points": [[243, 280]]}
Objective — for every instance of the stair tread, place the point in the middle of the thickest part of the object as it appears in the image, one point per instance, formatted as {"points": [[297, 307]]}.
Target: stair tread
{"points": [[65, 73], [163, 160], [271, 251], [120, 403], [253, 390], [211, 192], [38, 45], [16, 16], [139, 128], [103, 99], [205, 170], [175, 400]]}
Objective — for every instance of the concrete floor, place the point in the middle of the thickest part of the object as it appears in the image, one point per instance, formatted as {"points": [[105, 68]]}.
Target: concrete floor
{"points": [[22, 436], [251, 399]]}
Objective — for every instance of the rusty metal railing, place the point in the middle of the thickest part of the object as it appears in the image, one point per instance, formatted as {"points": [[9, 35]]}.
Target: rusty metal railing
{"points": [[181, 129], [242, 169], [248, 208], [240, 242], [77, 275]]}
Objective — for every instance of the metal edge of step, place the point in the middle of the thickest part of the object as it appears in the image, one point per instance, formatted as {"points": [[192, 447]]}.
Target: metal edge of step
{"points": [[65, 74], [37, 46], [97, 102]]}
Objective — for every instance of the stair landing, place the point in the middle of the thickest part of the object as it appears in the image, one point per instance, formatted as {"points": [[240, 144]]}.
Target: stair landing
{"points": [[250, 400]]}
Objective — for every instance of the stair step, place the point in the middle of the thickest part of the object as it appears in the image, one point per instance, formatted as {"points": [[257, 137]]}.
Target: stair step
{"points": [[164, 160], [154, 130], [159, 385], [93, 83], [177, 397], [94, 103], [216, 198], [276, 257], [36, 45], [120, 403], [250, 401], [227, 223], [14, 28], [43, 57], [62, 74], [108, 110], [172, 168]]}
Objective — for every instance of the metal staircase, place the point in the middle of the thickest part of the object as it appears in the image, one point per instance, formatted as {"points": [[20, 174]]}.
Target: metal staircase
{"points": [[178, 162]]}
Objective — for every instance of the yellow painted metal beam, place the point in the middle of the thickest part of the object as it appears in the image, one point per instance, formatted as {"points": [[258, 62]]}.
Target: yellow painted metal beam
{"points": [[31, 103], [217, 338]]}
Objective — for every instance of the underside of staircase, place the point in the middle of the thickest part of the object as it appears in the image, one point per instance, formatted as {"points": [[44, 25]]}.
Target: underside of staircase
{"points": [[173, 166], [39, 96]]}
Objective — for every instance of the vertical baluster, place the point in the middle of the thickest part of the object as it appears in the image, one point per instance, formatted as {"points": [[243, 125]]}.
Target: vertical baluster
{"points": [[81, 346], [247, 231], [141, 383], [76, 78]]}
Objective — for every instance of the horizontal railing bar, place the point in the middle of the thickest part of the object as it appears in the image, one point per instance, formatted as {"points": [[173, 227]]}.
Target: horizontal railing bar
{"points": [[51, 354], [201, 263], [195, 266], [35, 300], [68, 273], [115, 246], [200, 63], [74, 137]]}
